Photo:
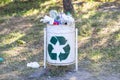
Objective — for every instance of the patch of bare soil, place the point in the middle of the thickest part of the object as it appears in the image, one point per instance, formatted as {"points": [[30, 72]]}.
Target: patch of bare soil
{"points": [[86, 75]]}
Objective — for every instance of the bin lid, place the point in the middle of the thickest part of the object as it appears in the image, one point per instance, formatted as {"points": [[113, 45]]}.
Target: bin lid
{"points": [[60, 29]]}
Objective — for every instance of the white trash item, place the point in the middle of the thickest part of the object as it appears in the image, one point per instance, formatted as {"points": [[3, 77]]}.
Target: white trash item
{"points": [[53, 14], [47, 19], [66, 19], [33, 65]]}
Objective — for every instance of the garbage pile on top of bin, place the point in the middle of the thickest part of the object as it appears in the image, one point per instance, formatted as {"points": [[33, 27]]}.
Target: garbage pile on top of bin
{"points": [[56, 18]]}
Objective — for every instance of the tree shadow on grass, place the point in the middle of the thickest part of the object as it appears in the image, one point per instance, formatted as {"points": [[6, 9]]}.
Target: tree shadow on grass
{"points": [[101, 55], [101, 47], [33, 36], [32, 49], [20, 7]]}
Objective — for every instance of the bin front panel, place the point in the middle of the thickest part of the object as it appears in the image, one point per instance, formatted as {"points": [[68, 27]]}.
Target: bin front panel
{"points": [[60, 47]]}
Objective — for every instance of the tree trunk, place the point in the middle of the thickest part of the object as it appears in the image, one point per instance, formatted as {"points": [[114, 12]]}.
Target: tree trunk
{"points": [[68, 7]]}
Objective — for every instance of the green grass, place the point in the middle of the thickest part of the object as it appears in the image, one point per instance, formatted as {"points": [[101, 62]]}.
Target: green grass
{"points": [[99, 38], [19, 8], [26, 8], [117, 37]]}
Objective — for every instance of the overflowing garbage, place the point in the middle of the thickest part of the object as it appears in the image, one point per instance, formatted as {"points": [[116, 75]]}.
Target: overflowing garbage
{"points": [[56, 18]]}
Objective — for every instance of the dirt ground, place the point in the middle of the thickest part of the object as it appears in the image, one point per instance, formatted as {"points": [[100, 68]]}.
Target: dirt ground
{"points": [[86, 75]]}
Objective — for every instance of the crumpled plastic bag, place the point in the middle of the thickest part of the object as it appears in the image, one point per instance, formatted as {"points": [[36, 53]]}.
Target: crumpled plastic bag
{"points": [[47, 19], [33, 65], [66, 19]]}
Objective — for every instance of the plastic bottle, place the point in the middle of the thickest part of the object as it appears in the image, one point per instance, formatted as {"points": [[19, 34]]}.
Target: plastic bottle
{"points": [[1, 59], [53, 14]]}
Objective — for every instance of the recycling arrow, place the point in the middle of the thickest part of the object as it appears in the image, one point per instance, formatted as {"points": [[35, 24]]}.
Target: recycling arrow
{"points": [[52, 55], [62, 42], [63, 56]]}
